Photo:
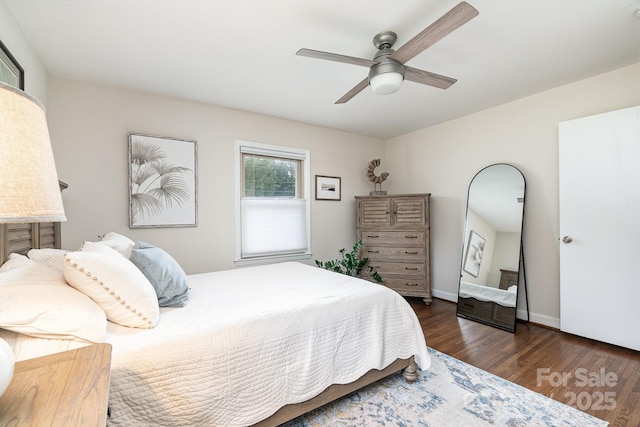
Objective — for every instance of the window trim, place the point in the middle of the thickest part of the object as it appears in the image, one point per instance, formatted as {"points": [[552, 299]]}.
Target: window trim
{"points": [[242, 146]]}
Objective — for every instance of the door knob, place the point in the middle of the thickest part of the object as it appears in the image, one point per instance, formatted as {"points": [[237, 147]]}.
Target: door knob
{"points": [[567, 239]]}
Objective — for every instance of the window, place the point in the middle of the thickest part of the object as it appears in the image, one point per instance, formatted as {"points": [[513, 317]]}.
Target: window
{"points": [[272, 202]]}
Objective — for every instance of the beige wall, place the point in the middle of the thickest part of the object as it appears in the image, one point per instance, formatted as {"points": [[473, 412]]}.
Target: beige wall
{"points": [[89, 126], [443, 159]]}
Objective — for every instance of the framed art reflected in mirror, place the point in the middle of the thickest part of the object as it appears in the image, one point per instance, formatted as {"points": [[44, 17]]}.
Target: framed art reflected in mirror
{"points": [[473, 258], [10, 70]]}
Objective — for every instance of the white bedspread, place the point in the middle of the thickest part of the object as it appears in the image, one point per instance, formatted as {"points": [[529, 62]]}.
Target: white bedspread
{"points": [[252, 340], [504, 297]]}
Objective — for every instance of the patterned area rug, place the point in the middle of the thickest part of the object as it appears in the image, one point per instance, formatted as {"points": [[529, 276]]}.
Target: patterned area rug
{"points": [[449, 393]]}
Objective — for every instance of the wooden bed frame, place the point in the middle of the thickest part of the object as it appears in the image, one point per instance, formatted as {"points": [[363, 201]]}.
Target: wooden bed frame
{"points": [[21, 238], [336, 391]]}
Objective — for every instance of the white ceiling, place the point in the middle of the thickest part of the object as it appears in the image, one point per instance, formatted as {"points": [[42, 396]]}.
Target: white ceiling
{"points": [[241, 53]]}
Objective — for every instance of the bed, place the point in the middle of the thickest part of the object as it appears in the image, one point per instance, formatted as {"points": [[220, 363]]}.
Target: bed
{"points": [[486, 303], [504, 297], [253, 346]]}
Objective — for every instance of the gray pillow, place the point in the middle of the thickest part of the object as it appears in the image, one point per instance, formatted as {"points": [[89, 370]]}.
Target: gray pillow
{"points": [[164, 273]]}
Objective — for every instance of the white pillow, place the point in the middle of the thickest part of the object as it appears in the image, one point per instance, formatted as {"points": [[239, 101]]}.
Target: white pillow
{"points": [[98, 247], [53, 258], [35, 300], [115, 284], [15, 262], [120, 243]]}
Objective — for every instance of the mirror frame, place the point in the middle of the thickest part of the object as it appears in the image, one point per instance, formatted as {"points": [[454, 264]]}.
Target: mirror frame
{"points": [[478, 310]]}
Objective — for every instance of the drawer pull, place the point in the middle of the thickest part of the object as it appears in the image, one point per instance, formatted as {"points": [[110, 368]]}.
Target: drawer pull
{"points": [[373, 252], [373, 237], [411, 268], [411, 284], [410, 237], [411, 253]]}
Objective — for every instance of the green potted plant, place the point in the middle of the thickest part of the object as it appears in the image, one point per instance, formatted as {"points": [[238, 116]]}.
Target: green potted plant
{"points": [[350, 264]]}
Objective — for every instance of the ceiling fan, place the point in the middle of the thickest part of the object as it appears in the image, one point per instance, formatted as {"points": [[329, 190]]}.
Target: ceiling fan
{"points": [[387, 69]]}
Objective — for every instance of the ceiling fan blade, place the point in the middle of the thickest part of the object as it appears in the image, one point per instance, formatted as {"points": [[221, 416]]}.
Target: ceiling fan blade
{"points": [[335, 57], [427, 78], [353, 92], [450, 21], [345, 59]]}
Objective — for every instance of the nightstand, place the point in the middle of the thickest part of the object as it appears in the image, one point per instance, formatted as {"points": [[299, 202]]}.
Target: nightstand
{"points": [[62, 389]]}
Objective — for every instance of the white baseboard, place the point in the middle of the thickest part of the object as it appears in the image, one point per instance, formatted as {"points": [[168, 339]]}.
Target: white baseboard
{"points": [[541, 319], [445, 295]]}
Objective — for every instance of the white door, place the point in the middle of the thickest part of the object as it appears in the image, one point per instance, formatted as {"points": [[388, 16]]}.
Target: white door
{"points": [[600, 227]]}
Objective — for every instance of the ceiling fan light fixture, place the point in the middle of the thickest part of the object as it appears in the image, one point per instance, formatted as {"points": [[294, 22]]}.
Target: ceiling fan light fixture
{"points": [[386, 77]]}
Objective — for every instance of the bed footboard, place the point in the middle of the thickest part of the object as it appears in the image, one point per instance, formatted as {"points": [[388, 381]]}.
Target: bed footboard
{"points": [[336, 391]]}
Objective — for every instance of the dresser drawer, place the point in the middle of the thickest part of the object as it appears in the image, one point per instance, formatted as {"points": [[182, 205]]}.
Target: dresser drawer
{"points": [[386, 268], [400, 238], [405, 284], [402, 253]]}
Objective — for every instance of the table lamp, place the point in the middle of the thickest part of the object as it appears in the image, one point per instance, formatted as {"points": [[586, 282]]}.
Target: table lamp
{"points": [[29, 189]]}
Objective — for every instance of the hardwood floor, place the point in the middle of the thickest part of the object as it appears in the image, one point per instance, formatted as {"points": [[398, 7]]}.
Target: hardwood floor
{"points": [[600, 379]]}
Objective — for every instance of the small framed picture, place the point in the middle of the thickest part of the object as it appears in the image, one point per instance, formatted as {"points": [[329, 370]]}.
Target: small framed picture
{"points": [[328, 188], [11, 72]]}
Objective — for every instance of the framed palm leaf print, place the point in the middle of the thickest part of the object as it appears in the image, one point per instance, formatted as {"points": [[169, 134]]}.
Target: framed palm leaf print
{"points": [[162, 182]]}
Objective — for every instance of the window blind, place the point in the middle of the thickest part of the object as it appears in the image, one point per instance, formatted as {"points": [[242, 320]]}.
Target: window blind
{"points": [[272, 226]]}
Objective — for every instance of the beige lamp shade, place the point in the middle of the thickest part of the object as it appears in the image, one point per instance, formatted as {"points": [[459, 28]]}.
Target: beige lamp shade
{"points": [[29, 190]]}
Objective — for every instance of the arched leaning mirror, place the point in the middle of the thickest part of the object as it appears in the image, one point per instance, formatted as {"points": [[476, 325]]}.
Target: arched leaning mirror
{"points": [[490, 268]]}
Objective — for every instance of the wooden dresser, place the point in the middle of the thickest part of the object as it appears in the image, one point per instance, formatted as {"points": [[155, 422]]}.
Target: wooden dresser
{"points": [[62, 389], [508, 278], [395, 233]]}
